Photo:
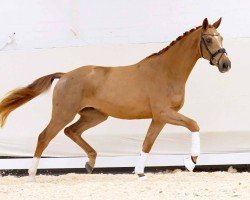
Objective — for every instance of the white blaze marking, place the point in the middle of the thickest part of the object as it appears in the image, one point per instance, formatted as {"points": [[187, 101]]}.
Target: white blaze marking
{"points": [[217, 38]]}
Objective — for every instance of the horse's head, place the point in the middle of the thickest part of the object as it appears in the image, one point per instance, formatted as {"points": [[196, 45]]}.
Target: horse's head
{"points": [[211, 46]]}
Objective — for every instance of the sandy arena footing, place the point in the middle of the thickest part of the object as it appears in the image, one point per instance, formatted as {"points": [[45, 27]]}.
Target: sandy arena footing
{"points": [[168, 185]]}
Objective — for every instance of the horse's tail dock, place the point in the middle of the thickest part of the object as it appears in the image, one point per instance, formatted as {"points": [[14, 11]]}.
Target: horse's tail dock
{"points": [[20, 96]]}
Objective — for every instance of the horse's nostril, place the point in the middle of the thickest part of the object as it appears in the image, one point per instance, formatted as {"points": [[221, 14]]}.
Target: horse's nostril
{"points": [[225, 66]]}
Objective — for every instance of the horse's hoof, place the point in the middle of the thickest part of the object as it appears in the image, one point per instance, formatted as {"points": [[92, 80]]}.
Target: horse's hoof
{"points": [[142, 177], [88, 168], [189, 164]]}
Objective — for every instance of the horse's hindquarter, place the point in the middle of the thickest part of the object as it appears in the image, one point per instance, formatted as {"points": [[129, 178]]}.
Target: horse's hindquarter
{"points": [[119, 92]]}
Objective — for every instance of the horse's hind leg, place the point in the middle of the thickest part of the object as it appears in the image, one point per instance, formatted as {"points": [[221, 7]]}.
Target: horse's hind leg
{"points": [[66, 104], [53, 128], [89, 117]]}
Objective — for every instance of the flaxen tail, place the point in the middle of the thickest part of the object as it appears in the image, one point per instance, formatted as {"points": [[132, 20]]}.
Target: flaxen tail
{"points": [[18, 97]]}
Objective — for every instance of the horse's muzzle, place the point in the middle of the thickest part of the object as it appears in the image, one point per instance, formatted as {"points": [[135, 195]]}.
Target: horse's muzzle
{"points": [[225, 66]]}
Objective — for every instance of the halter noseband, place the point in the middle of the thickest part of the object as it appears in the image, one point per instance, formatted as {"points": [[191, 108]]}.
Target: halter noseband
{"points": [[212, 55]]}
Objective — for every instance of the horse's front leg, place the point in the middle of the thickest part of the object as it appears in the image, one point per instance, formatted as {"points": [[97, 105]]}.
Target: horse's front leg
{"points": [[160, 119], [172, 117], [153, 131]]}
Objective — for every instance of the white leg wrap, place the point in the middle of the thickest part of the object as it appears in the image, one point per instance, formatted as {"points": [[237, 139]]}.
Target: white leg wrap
{"points": [[139, 168], [189, 164], [33, 168], [195, 149]]}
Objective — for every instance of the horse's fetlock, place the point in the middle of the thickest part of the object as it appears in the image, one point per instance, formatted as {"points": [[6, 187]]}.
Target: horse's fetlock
{"points": [[92, 154]]}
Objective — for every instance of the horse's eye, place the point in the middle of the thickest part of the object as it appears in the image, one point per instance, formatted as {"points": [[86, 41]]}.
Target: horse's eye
{"points": [[209, 40]]}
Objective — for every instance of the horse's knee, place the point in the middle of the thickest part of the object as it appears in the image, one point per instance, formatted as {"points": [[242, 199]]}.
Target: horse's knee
{"points": [[193, 126]]}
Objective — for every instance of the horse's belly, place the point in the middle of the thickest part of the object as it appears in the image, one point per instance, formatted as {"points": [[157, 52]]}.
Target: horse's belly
{"points": [[124, 109], [129, 113]]}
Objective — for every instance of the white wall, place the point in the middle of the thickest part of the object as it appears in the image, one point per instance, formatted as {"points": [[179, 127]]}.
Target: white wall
{"points": [[105, 31], [64, 23]]}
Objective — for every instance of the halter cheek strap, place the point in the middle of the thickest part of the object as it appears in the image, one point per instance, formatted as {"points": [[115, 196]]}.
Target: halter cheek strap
{"points": [[212, 55]]}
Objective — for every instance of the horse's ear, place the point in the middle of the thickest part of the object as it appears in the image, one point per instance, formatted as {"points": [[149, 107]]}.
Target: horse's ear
{"points": [[205, 24], [217, 23]]}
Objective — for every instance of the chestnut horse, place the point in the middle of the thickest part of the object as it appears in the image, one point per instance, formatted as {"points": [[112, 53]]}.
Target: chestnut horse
{"points": [[152, 88]]}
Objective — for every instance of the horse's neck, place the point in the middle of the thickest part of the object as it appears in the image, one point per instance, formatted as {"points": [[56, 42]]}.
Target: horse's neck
{"points": [[178, 61]]}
